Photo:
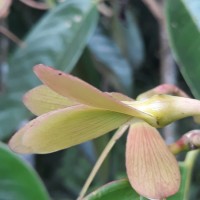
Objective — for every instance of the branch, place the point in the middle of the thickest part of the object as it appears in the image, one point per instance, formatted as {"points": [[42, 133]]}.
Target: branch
{"points": [[155, 9], [36, 5], [10, 35]]}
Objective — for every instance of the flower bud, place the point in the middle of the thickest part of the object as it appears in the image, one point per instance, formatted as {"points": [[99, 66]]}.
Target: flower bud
{"points": [[166, 108]]}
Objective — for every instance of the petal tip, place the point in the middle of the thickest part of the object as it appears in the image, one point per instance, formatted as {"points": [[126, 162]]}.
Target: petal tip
{"points": [[151, 168]]}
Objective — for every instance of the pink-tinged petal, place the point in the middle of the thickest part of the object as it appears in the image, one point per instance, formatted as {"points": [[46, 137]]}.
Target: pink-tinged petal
{"points": [[80, 91], [152, 169], [163, 89], [66, 127], [120, 97], [42, 99]]}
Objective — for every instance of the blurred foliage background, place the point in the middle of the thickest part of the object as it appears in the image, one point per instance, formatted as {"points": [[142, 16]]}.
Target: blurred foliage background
{"points": [[116, 45]]}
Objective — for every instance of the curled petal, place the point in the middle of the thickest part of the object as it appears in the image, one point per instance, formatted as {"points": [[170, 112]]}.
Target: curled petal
{"points": [[80, 91], [66, 127], [152, 169], [163, 89], [42, 99]]}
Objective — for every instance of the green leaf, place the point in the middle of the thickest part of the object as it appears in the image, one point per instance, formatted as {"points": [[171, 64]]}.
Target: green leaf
{"points": [[57, 40], [111, 62], [17, 179], [181, 193], [116, 190], [127, 35], [121, 189], [183, 24]]}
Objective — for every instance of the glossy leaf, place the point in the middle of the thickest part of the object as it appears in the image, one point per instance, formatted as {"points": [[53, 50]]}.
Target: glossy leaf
{"points": [[84, 93], [117, 190], [17, 179], [57, 40], [127, 35], [112, 64], [121, 189], [183, 24], [151, 168], [66, 127]]}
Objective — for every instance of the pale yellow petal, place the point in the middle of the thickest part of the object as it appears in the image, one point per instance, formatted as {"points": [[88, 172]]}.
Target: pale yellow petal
{"points": [[42, 99], [152, 169], [66, 127], [72, 87], [166, 108], [120, 97], [16, 142]]}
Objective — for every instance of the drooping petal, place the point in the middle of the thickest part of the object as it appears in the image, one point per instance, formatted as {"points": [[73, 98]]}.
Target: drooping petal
{"points": [[66, 127], [72, 87], [152, 169], [42, 99]]}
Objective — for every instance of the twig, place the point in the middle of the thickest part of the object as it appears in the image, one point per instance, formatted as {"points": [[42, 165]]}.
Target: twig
{"points": [[10, 35], [4, 10], [100, 160], [105, 10], [3, 56], [155, 8], [36, 5]]}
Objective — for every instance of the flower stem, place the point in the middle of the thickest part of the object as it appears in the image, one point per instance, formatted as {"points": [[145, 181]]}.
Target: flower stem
{"points": [[100, 160]]}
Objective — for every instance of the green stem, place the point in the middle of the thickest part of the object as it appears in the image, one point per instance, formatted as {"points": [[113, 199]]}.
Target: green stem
{"points": [[189, 162], [100, 160]]}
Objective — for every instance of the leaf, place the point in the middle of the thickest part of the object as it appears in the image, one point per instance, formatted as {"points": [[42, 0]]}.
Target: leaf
{"points": [[151, 168], [112, 65], [82, 92], [121, 189], [183, 24], [17, 179], [116, 190], [66, 127], [57, 40], [181, 193], [127, 35]]}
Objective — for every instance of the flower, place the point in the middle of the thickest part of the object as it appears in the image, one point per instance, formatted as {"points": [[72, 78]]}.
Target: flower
{"points": [[70, 112]]}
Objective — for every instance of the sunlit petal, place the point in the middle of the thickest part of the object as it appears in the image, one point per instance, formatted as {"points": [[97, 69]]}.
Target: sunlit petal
{"points": [[66, 127], [42, 99], [152, 169], [80, 91]]}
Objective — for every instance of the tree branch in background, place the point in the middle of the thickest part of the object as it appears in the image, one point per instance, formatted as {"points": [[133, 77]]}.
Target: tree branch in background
{"points": [[4, 8], [3, 56], [10, 35], [168, 72], [155, 9], [36, 5]]}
